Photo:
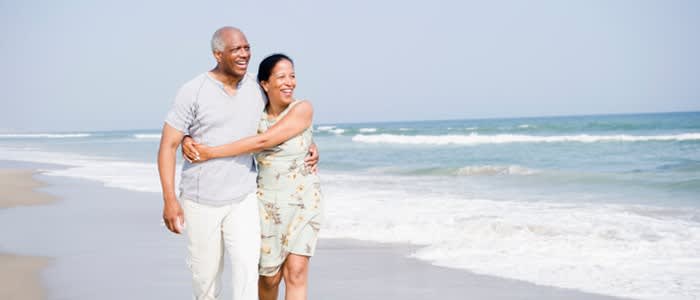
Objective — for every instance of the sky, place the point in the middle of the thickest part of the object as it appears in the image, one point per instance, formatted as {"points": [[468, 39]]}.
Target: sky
{"points": [[116, 65]]}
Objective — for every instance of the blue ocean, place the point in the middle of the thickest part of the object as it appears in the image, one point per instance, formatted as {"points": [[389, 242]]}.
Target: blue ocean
{"points": [[605, 203]]}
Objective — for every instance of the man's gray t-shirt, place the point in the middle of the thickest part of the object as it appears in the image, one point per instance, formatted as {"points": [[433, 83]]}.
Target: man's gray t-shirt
{"points": [[206, 112]]}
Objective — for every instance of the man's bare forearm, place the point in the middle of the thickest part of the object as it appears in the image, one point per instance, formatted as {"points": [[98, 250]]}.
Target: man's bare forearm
{"points": [[166, 169], [167, 152]]}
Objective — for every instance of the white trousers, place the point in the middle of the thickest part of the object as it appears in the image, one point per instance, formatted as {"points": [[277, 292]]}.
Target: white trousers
{"points": [[210, 230]]}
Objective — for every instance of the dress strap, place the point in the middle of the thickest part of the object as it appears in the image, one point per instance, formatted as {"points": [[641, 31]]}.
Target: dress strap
{"points": [[266, 117], [295, 102]]}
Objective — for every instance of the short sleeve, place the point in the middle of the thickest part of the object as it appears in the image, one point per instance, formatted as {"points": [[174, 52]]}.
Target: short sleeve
{"points": [[182, 113]]}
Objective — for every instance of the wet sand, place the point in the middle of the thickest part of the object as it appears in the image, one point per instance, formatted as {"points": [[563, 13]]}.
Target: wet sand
{"points": [[17, 187], [20, 274]]}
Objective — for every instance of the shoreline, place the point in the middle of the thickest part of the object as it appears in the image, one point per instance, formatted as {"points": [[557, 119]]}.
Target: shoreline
{"points": [[18, 187], [378, 271], [21, 274], [148, 256]]}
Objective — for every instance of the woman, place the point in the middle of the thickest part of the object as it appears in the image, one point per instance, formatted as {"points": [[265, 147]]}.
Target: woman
{"points": [[289, 194]]}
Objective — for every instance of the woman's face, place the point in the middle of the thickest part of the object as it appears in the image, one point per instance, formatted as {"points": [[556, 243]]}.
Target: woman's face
{"points": [[281, 84]]}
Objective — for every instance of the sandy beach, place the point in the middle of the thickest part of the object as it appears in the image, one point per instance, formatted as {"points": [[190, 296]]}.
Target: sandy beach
{"points": [[125, 252], [20, 274], [20, 277]]}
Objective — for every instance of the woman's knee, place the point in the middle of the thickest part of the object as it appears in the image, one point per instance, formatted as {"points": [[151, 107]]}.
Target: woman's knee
{"points": [[295, 271]]}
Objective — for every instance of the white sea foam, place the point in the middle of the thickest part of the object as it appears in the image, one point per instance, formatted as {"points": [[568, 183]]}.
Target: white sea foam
{"points": [[405, 129], [147, 136], [494, 170], [523, 126], [134, 176], [44, 135], [331, 128], [476, 139], [368, 130], [607, 249]]}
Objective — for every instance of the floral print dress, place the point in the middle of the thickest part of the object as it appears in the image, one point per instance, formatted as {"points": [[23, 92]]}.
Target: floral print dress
{"points": [[289, 198]]}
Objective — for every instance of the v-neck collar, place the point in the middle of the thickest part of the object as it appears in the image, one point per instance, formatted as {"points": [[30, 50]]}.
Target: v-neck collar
{"points": [[221, 84]]}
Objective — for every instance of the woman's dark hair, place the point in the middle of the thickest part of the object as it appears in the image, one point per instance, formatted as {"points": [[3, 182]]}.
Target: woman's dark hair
{"points": [[267, 64]]}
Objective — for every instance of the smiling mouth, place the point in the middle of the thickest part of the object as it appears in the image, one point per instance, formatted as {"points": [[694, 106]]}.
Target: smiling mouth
{"points": [[242, 64], [287, 92]]}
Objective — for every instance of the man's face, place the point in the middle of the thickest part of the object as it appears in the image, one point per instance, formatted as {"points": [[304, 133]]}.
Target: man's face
{"points": [[236, 54]]}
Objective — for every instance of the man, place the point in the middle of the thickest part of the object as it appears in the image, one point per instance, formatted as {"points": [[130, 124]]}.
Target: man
{"points": [[219, 205]]}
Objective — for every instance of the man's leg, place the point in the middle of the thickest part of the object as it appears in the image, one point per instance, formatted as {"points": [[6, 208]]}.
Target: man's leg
{"points": [[242, 238], [205, 248]]}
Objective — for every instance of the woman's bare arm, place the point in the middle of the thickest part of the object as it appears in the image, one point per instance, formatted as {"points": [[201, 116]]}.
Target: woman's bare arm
{"points": [[295, 122]]}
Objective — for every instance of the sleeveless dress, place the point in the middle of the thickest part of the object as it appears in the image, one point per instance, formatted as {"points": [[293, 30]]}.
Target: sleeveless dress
{"points": [[289, 198]]}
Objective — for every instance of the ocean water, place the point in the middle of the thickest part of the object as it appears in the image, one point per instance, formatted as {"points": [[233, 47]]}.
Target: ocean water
{"points": [[607, 204]]}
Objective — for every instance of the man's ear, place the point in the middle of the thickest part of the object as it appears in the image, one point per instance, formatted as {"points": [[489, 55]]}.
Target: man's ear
{"points": [[218, 55]]}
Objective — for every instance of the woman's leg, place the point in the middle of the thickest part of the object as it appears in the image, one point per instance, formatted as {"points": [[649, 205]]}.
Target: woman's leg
{"points": [[268, 286], [295, 271]]}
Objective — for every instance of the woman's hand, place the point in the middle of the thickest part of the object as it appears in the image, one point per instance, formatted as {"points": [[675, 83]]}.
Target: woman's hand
{"points": [[311, 159], [195, 153], [204, 153], [189, 151]]}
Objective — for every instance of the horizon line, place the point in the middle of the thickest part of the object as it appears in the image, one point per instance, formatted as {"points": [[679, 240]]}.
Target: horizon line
{"points": [[3, 131]]}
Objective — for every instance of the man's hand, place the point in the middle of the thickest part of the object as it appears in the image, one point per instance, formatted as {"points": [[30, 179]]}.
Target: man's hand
{"points": [[170, 139], [173, 216], [311, 159]]}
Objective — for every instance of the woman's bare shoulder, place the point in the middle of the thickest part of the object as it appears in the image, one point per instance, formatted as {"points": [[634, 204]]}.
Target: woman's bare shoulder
{"points": [[302, 107]]}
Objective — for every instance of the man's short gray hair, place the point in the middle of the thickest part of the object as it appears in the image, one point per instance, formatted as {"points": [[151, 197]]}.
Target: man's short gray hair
{"points": [[217, 43]]}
